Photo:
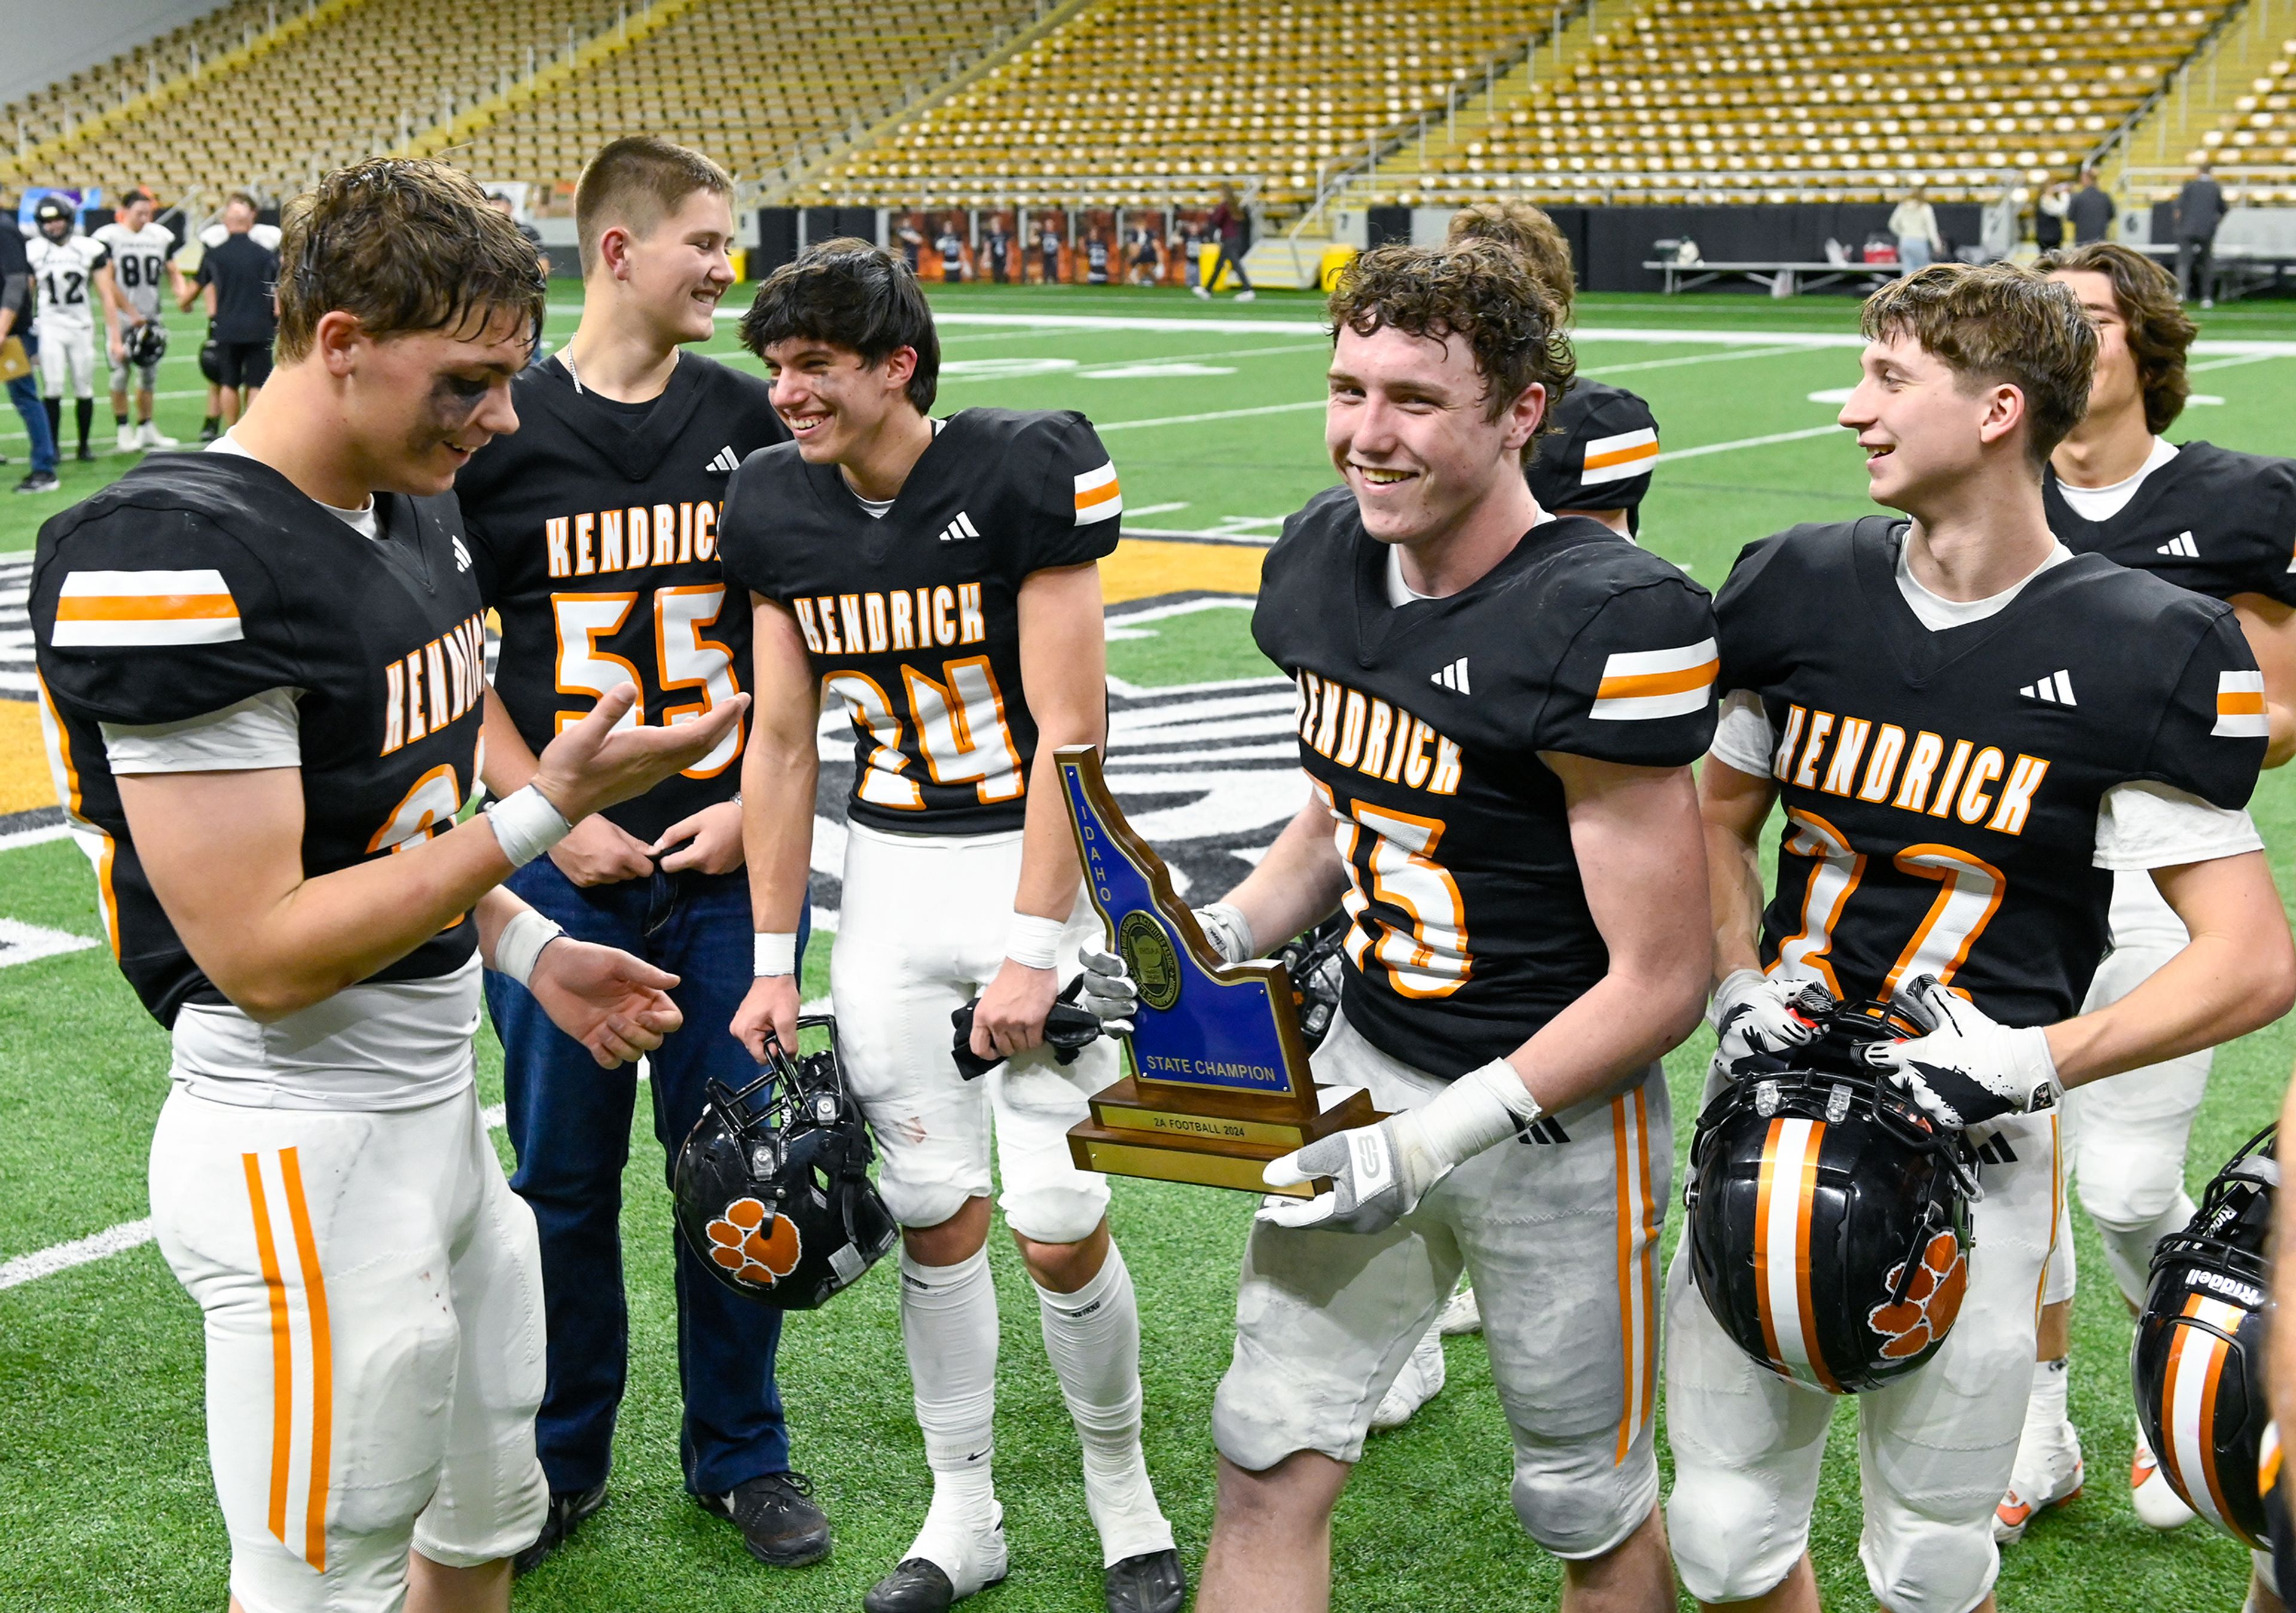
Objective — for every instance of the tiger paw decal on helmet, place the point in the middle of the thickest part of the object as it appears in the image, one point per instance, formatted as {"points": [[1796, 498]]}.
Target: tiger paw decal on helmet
{"points": [[764, 1258], [1933, 1300]]}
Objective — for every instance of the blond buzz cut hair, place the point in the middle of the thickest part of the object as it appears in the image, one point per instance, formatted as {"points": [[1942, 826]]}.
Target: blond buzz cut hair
{"points": [[637, 182]]}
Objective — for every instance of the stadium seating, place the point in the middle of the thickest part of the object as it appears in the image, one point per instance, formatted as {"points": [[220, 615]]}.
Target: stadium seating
{"points": [[1777, 100], [48, 112], [2246, 129], [354, 81], [748, 81], [1136, 98]]}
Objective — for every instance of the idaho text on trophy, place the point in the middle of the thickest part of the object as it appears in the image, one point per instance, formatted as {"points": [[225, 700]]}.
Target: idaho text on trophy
{"points": [[1218, 1082]]}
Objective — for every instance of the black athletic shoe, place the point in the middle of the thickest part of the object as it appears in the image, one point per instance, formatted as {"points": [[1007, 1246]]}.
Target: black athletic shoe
{"points": [[567, 1510], [1153, 1582], [86, 455], [209, 431], [40, 481], [779, 1523], [916, 1585]]}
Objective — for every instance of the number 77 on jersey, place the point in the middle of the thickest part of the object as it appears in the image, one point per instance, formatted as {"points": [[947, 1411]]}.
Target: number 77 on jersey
{"points": [[1216, 1081]]}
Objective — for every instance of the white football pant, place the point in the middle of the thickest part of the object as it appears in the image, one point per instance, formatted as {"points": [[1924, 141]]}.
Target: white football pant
{"points": [[372, 1291], [1934, 1448], [66, 359], [1561, 1241], [921, 932]]}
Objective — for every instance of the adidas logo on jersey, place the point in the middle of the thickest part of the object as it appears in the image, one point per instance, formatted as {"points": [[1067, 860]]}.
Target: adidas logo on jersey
{"points": [[1453, 677], [2181, 545], [462, 556], [959, 530], [2057, 689], [725, 463]]}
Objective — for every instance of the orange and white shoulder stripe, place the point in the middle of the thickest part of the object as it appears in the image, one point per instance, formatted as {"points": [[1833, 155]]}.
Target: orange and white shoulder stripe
{"points": [[1640, 685], [2189, 1405], [1097, 496], [2240, 707], [134, 610], [302, 1354], [1782, 1252], [1618, 458]]}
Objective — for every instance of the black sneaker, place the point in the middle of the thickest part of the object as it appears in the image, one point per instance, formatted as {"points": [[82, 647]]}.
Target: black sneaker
{"points": [[1153, 1582], [209, 431], [86, 455], [40, 481], [567, 1510], [779, 1523]]}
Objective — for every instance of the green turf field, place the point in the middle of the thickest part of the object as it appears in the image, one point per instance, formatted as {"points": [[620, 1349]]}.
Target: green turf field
{"points": [[1213, 416]]}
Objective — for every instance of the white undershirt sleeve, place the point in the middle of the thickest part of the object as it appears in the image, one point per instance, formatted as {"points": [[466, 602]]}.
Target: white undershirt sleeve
{"points": [[1743, 738], [2144, 825], [260, 731]]}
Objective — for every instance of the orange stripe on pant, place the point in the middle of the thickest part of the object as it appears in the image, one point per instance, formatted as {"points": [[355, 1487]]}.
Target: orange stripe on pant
{"points": [[322, 1387], [283, 1356], [1637, 1280]]}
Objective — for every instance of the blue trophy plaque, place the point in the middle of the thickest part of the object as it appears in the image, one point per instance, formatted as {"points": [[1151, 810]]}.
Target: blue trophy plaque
{"points": [[1216, 1081]]}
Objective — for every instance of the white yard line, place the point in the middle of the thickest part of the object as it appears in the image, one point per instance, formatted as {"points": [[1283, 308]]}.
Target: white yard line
{"points": [[1747, 442]]}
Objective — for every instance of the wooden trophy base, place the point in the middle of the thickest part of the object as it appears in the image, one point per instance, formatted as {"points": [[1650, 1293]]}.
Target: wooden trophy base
{"points": [[1214, 1139]]}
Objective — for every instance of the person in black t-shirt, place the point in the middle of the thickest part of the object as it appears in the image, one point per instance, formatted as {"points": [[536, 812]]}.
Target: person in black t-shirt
{"points": [[940, 580], [238, 278], [594, 534], [509, 210]]}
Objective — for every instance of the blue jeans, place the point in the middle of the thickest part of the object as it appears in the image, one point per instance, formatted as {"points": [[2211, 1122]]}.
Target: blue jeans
{"points": [[24, 392], [570, 1123], [1913, 253]]}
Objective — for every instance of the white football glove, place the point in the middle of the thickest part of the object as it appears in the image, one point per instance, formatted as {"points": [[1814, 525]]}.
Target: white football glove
{"points": [[1967, 1070], [1753, 1015], [1107, 989], [1380, 1172]]}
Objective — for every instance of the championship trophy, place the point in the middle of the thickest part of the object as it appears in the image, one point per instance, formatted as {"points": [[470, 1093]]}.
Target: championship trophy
{"points": [[1216, 1081]]}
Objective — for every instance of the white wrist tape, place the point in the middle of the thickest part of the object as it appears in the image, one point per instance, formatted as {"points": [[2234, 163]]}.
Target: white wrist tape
{"points": [[1480, 1110], [526, 825], [1228, 931], [519, 945], [775, 952], [1035, 942]]}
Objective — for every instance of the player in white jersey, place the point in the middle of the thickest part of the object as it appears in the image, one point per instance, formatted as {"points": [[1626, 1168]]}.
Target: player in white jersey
{"points": [[65, 264], [139, 252]]}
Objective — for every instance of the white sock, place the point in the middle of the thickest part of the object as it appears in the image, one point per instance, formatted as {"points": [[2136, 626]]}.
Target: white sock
{"points": [[948, 1327], [2129, 1250], [2045, 1411], [1093, 1337]]}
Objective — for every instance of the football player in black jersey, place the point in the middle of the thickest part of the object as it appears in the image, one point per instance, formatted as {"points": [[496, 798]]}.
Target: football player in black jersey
{"points": [[1969, 728], [940, 579], [593, 532], [2222, 525], [262, 672], [1497, 711]]}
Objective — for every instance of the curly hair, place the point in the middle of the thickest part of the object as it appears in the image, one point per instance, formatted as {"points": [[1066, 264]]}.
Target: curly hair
{"points": [[1518, 225], [1487, 294], [850, 294], [1995, 324], [406, 246], [2159, 333]]}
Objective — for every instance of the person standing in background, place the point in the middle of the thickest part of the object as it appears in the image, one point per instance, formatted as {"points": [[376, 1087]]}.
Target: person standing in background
{"points": [[1227, 224], [1914, 225], [137, 252], [19, 300], [508, 209], [2049, 215], [2091, 211], [238, 277], [2200, 210]]}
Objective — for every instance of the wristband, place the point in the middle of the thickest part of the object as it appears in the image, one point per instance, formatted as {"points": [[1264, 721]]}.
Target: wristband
{"points": [[773, 952], [1228, 930], [1035, 942], [519, 945], [526, 825], [1483, 1107]]}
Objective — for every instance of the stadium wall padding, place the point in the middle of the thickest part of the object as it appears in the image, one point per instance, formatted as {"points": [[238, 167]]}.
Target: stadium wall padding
{"points": [[1611, 244]]}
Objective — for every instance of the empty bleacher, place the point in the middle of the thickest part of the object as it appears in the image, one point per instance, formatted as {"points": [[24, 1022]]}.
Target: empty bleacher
{"points": [[1131, 99], [59, 107]]}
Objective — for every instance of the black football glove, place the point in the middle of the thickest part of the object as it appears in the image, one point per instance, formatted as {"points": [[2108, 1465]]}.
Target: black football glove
{"points": [[1069, 1030]]}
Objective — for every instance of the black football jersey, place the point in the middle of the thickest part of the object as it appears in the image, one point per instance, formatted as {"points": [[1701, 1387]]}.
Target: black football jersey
{"points": [[1420, 727], [594, 532], [912, 618], [197, 580], [1941, 788], [2210, 520]]}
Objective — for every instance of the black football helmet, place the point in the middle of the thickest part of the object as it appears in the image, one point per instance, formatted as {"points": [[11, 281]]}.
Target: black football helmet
{"points": [[2199, 1363], [145, 343], [773, 1186], [212, 359], [1313, 962], [1829, 1217], [52, 218]]}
